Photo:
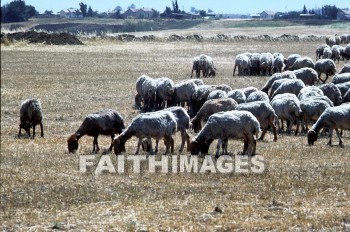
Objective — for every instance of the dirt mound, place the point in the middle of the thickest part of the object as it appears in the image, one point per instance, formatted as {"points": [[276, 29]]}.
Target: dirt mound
{"points": [[46, 38], [175, 37]]}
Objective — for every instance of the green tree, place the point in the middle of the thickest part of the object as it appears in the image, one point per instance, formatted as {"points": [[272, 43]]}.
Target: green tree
{"points": [[17, 11], [175, 7], [304, 10], [329, 11], [83, 9], [90, 12], [202, 13]]}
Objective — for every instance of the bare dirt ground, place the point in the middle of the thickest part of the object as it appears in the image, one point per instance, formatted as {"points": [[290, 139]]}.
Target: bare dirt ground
{"points": [[302, 188]]}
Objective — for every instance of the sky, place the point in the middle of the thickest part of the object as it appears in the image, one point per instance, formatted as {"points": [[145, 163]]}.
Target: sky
{"points": [[218, 6]]}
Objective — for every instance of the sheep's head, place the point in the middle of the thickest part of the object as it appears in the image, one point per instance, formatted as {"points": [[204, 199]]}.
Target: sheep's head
{"points": [[196, 125], [311, 137], [72, 143], [200, 146], [119, 146], [25, 126]]}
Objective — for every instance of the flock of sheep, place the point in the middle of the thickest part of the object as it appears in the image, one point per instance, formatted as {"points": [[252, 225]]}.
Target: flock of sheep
{"points": [[218, 112]]}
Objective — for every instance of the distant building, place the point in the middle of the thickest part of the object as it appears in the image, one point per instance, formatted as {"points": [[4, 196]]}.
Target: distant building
{"points": [[71, 13], [268, 14], [138, 13], [343, 15]]}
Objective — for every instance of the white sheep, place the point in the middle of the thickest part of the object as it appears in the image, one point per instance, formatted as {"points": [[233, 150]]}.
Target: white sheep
{"points": [[248, 90], [307, 75], [289, 86], [290, 60], [312, 108], [183, 93], [237, 95], [217, 94], [258, 96], [287, 107], [277, 63], [332, 92], [337, 117], [277, 76], [224, 87], [157, 125], [139, 82], [255, 63], [326, 66], [341, 78], [210, 107], [224, 126], [195, 66], [164, 93], [319, 51], [200, 96], [242, 61], [345, 69], [327, 53], [309, 91], [31, 115], [336, 52], [265, 114], [266, 63], [104, 122], [302, 62]]}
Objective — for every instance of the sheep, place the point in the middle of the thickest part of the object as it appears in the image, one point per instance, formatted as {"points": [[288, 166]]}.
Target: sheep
{"points": [[277, 76], [346, 97], [217, 94], [332, 92], [341, 78], [337, 39], [104, 122], [206, 64], [242, 61], [237, 95], [312, 108], [307, 75], [289, 86], [183, 93], [347, 50], [258, 96], [31, 115], [197, 81], [255, 63], [337, 117], [275, 86], [200, 96], [224, 126], [224, 87], [210, 107], [139, 82], [277, 63], [343, 87], [157, 125], [302, 62], [287, 107], [319, 51], [265, 63], [149, 94], [335, 52], [290, 61], [327, 53], [183, 123], [265, 114], [345, 69], [195, 66], [248, 90], [344, 39], [164, 93], [330, 40], [326, 66], [309, 91]]}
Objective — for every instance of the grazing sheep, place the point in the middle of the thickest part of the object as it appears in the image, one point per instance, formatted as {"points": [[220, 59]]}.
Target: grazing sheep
{"points": [[255, 64], [157, 125], [104, 122], [344, 39], [347, 50], [290, 61], [258, 96], [224, 126], [183, 123], [330, 40], [210, 107], [31, 115], [197, 81], [265, 114], [335, 52], [165, 91], [326, 66], [319, 51], [312, 108], [343, 87], [206, 64], [149, 94], [337, 39], [327, 53], [195, 66], [200, 96], [248, 90], [341, 78], [237, 95], [275, 86], [289, 86], [302, 62], [307, 75], [309, 91], [183, 93], [277, 76], [139, 82], [345, 69], [287, 107], [332, 92], [277, 63], [242, 61], [337, 117], [265, 63], [217, 94]]}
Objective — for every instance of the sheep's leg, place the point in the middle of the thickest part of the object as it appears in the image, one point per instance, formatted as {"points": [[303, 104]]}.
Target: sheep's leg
{"points": [[274, 129], [112, 137], [218, 146], [167, 142], [224, 147], [41, 129], [172, 145], [188, 141], [95, 143], [138, 146], [253, 146], [339, 137], [156, 148], [297, 129], [289, 126], [183, 138], [33, 131], [263, 133], [245, 146], [330, 136], [234, 70]]}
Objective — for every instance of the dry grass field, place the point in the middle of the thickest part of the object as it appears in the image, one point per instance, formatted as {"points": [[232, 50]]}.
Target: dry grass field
{"points": [[302, 188]]}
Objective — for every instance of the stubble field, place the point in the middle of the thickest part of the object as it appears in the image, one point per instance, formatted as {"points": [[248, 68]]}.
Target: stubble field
{"points": [[302, 188]]}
